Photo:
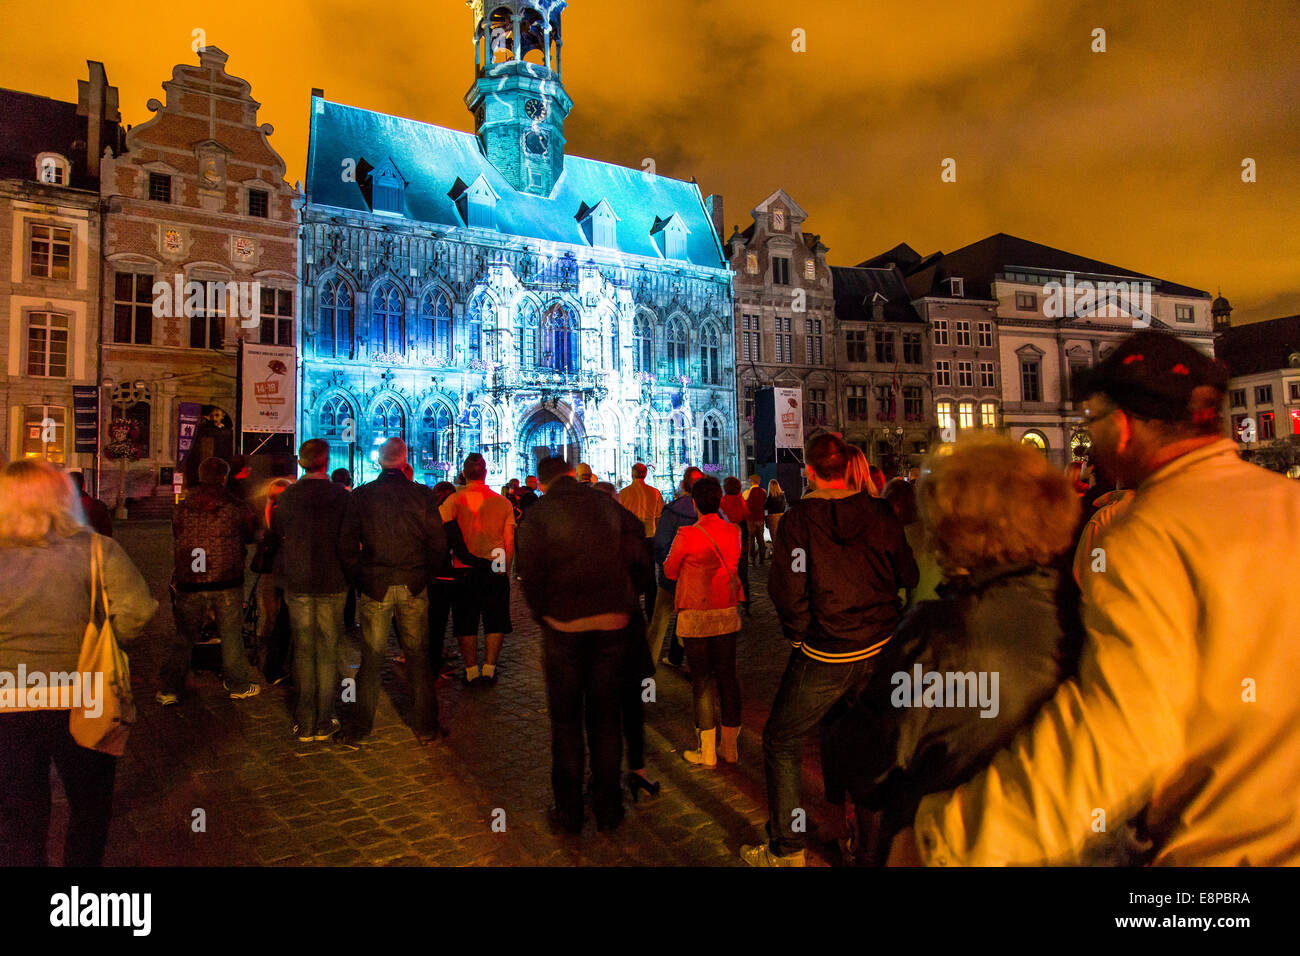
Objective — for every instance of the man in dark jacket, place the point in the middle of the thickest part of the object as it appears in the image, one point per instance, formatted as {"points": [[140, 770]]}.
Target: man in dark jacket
{"points": [[211, 531], [677, 515], [838, 562], [584, 607], [391, 534], [306, 521]]}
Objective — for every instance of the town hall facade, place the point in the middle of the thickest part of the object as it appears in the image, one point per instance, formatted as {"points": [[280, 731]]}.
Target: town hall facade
{"points": [[487, 292]]}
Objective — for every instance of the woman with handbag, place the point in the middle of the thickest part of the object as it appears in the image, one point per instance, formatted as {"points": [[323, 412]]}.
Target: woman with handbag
{"points": [[56, 572], [703, 561]]}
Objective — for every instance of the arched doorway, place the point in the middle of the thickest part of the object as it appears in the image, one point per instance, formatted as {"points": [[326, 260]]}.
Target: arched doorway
{"points": [[546, 435]]}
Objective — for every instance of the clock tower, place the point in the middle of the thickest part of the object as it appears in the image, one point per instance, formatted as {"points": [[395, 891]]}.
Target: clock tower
{"points": [[517, 99]]}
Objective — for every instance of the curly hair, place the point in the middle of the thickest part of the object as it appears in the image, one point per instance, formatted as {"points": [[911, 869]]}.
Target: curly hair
{"points": [[37, 503], [993, 501]]}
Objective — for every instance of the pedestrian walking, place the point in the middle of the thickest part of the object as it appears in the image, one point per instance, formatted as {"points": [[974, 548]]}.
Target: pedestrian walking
{"points": [[307, 519], [442, 592], [704, 561], [45, 606], [840, 558], [391, 534], [486, 523], [211, 531], [581, 557], [273, 629]]}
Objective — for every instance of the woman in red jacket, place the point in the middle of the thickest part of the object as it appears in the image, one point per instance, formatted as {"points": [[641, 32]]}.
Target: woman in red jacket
{"points": [[704, 561]]}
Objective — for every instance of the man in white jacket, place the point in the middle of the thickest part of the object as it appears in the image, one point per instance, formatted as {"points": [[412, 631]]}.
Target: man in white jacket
{"points": [[1184, 720]]}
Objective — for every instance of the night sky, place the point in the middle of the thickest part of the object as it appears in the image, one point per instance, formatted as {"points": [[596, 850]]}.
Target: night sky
{"points": [[1132, 156]]}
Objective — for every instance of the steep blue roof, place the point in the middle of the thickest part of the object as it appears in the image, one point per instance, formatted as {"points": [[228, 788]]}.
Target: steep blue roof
{"points": [[431, 159]]}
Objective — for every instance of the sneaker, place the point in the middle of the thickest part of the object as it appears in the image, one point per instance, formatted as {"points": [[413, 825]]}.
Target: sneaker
{"points": [[762, 855], [252, 691], [304, 737], [333, 729], [166, 699]]}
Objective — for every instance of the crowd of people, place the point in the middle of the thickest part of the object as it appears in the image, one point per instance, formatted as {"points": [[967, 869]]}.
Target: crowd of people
{"points": [[1001, 661]]}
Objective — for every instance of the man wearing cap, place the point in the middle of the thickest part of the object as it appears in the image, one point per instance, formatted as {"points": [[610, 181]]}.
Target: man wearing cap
{"points": [[584, 473], [1183, 723]]}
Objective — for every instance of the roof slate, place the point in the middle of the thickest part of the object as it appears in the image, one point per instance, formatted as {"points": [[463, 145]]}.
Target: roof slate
{"points": [[432, 158], [1260, 346]]}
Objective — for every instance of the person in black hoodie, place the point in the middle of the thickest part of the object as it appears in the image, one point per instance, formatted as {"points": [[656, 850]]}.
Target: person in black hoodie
{"points": [[839, 559], [583, 558], [306, 522]]}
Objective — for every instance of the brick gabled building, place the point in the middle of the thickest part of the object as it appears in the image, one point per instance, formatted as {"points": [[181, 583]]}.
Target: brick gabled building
{"points": [[199, 194]]}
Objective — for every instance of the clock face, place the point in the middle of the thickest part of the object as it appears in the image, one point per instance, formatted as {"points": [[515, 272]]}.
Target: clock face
{"points": [[534, 109], [536, 143]]}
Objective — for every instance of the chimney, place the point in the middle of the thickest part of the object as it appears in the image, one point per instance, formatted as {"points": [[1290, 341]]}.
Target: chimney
{"points": [[714, 205], [317, 93], [97, 101]]}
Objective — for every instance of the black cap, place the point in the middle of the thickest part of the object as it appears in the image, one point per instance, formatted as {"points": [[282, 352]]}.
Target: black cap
{"points": [[1153, 374]]}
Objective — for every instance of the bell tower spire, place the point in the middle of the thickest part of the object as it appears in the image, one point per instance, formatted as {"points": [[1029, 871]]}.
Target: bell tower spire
{"points": [[518, 99]]}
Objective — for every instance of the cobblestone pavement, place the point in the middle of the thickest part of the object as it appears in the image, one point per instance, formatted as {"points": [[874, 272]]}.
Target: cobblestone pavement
{"points": [[266, 799]]}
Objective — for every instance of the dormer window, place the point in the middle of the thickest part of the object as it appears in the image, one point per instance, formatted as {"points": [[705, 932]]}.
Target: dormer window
{"points": [[956, 288], [476, 202], [599, 224], [52, 168], [388, 190], [669, 236]]}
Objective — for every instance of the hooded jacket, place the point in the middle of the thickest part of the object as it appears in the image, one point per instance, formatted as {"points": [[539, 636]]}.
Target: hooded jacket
{"points": [[213, 521], [838, 561]]}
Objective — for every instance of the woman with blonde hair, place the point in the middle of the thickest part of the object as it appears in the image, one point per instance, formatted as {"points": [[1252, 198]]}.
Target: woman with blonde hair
{"points": [[775, 506], [1000, 520], [45, 606]]}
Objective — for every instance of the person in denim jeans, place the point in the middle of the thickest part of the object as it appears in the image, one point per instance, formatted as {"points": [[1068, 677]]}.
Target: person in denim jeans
{"points": [[390, 537], [839, 559], [306, 520], [211, 531]]}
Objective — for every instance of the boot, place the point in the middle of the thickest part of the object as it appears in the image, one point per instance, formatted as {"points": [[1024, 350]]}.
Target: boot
{"points": [[730, 748], [707, 755]]}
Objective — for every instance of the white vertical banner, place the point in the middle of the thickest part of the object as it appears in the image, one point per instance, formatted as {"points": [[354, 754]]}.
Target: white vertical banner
{"points": [[788, 406], [269, 397]]}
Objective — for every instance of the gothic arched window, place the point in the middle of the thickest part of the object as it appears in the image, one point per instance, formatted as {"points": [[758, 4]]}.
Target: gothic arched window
{"points": [[436, 436], [560, 339], [387, 421], [480, 314], [434, 332], [335, 335], [677, 344], [677, 449], [642, 344], [526, 335], [710, 356], [712, 440], [388, 321], [336, 424]]}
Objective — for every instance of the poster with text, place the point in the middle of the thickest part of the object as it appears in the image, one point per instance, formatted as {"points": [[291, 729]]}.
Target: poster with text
{"points": [[267, 374], [789, 417]]}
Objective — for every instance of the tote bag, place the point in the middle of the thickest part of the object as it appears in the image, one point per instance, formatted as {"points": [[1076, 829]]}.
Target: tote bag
{"points": [[101, 654]]}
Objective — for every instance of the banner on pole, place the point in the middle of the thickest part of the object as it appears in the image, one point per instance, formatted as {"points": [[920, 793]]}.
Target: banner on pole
{"points": [[85, 414], [789, 417], [187, 426], [267, 378]]}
